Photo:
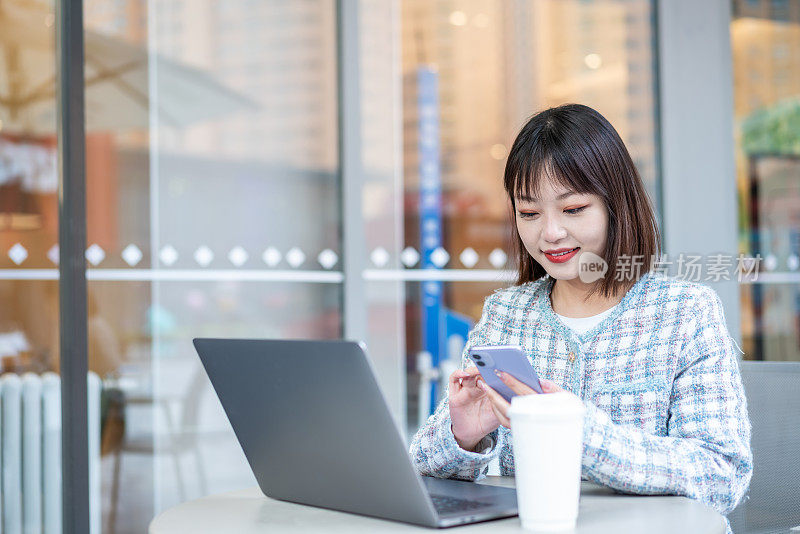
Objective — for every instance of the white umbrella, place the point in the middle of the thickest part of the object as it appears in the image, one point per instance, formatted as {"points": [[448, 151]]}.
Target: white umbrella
{"points": [[117, 93]]}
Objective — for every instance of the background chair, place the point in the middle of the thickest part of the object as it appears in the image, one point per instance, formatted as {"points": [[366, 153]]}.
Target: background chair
{"points": [[773, 401], [181, 439]]}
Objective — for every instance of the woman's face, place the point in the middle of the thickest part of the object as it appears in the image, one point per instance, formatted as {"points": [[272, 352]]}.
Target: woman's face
{"points": [[562, 220]]}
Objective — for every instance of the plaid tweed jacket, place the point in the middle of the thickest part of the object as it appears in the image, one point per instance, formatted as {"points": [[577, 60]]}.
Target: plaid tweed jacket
{"points": [[665, 406]]}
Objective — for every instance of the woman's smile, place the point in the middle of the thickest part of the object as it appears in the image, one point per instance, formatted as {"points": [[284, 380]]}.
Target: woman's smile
{"points": [[562, 256]]}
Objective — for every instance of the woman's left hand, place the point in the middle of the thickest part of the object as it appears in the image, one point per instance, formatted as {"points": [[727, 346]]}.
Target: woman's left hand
{"points": [[500, 406]]}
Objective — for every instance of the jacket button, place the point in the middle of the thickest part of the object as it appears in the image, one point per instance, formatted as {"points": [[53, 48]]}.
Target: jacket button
{"points": [[571, 357]]}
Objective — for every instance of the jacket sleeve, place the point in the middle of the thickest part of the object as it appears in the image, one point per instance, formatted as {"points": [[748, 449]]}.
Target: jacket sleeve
{"points": [[706, 453], [434, 450]]}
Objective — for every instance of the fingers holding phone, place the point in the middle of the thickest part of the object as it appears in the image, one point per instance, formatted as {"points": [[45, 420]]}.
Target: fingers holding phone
{"points": [[466, 380], [471, 410], [500, 405], [507, 373]]}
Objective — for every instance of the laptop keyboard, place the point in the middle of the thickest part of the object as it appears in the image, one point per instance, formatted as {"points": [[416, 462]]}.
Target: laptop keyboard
{"points": [[445, 504]]}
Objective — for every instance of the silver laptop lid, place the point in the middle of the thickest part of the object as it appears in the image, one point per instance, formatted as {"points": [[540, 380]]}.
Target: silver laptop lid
{"points": [[315, 426]]}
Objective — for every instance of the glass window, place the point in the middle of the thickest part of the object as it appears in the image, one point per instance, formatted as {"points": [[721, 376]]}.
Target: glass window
{"points": [[30, 391], [213, 212], [470, 74], [765, 39]]}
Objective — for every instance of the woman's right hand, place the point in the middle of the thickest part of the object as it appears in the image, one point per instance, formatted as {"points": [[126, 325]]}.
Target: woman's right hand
{"points": [[471, 410]]}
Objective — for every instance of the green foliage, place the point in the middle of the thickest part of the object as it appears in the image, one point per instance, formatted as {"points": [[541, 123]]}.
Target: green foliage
{"points": [[773, 130]]}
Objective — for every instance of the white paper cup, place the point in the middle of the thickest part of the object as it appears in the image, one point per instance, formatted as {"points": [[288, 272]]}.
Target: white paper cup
{"points": [[547, 433]]}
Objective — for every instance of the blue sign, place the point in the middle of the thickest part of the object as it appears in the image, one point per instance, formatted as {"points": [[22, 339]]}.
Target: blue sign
{"points": [[430, 216]]}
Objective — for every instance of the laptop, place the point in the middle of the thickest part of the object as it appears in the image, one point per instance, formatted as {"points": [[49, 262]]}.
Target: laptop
{"points": [[316, 430]]}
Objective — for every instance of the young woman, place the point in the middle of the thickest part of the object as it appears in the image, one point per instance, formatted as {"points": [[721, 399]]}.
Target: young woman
{"points": [[649, 355]]}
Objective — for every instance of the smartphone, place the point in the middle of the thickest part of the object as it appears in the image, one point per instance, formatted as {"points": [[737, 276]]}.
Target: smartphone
{"points": [[509, 359]]}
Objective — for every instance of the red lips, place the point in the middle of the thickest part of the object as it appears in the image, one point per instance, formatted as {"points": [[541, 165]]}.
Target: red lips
{"points": [[557, 250], [562, 258]]}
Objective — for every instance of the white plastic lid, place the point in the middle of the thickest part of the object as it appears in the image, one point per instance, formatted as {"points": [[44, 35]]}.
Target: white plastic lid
{"points": [[560, 404]]}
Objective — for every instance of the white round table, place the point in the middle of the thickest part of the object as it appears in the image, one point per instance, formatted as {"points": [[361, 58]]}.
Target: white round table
{"points": [[601, 511]]}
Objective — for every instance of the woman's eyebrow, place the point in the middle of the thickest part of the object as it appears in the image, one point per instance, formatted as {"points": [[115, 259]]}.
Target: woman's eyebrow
{"points": [[562, 196]]}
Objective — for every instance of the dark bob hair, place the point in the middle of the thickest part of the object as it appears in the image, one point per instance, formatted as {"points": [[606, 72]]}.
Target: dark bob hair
{"points": [[578, 149]]}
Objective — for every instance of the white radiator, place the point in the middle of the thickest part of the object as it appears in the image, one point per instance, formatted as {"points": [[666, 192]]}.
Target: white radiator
{"points": [[30, 453]]}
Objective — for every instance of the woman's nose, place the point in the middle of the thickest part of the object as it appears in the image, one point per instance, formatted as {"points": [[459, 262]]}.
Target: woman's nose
{"points": [[553, 230]]}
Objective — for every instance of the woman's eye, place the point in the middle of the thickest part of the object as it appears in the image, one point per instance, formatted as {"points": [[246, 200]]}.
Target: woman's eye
{"points": [[532, 214], [573, 211]]}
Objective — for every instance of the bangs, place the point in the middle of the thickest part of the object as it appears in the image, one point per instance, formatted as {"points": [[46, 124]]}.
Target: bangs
{"points": [[542, 163]]}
